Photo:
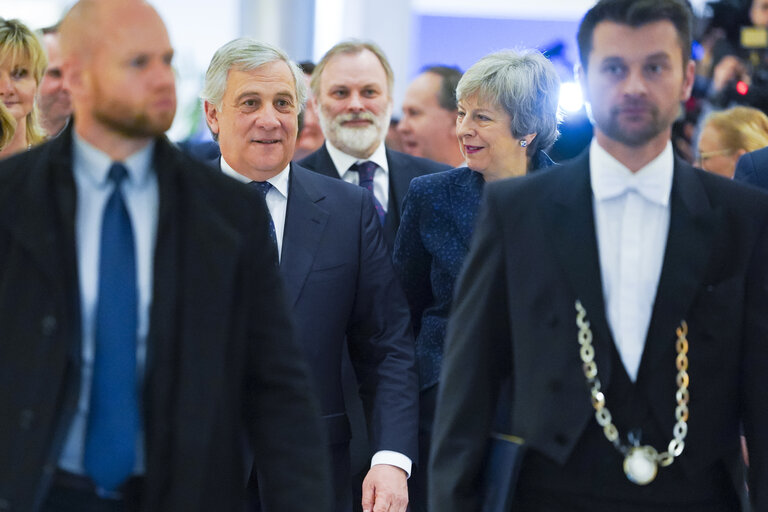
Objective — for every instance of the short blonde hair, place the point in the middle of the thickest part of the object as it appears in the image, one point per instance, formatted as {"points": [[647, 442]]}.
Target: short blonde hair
{"points": [[7, 126], [19, 44], [740, 128]]}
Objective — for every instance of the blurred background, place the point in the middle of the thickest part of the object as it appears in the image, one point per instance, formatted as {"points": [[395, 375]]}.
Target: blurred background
{"points": [[413, 34]]}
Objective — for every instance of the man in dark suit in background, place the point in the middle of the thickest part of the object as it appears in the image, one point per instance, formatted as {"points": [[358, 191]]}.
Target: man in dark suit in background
{"points": [[428, 126], [352, 87], [339, 280], [613, 293], [143, 330], [752, 168]]}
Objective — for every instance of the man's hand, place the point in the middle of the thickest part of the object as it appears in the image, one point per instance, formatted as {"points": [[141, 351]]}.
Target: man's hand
{"points": [[385, 489]]}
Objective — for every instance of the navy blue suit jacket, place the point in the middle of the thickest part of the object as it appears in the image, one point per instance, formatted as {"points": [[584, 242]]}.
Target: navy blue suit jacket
{"points": [[340, 286], [436, 227], [402, 169], [752, 168], [433, 239]]}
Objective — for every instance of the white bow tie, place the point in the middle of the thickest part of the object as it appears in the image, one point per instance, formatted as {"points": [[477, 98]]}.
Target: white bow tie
{"points": [[652, 186]]}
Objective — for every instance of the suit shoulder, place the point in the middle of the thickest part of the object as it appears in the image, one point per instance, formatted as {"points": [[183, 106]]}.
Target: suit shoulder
{"points": [[323, 182], [335, 195], [424, 165], [532, 185], [312, 161], [440, 180], [24, 169], [759, 157], [209, 188], [734, 194], [203, 172], [12, 167]]}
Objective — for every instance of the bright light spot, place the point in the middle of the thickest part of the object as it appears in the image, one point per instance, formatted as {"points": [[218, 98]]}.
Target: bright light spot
{"points": [[571, 99], [329, 28], [742, 88]]}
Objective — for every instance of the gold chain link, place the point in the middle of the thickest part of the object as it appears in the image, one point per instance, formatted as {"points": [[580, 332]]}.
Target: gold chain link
{"points": [[603, 415]]}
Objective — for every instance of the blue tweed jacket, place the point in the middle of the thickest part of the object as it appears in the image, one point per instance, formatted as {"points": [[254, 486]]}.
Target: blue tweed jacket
{"points": [[432, 241]]}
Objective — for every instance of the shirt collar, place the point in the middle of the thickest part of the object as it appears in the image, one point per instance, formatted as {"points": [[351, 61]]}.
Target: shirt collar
{"points": [[278, 181], [95, 164], [343, 161], [605, 170]]}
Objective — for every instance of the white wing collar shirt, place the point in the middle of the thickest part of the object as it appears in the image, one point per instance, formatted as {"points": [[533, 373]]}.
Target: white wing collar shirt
{"points": [[631, 213], [343, 162]]}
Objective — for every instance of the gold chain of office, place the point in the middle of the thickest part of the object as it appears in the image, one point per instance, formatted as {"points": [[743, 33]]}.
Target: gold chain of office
{"points": [[640, 462]]}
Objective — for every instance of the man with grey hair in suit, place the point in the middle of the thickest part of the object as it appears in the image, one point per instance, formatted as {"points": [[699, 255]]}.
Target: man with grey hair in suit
{"points": [[343, 292]]}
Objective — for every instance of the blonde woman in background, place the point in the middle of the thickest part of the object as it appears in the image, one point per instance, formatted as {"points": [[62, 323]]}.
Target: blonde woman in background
{"points": [[728, 134], [22, 64], [7, 126]]}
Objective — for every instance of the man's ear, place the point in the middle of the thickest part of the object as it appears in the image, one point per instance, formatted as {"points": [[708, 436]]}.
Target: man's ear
{"points": [[72, 76], [689, 77], [211, 116]]}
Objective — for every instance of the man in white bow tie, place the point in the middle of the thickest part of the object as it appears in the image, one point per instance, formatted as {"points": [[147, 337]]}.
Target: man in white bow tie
{"points": [[623, 301]]}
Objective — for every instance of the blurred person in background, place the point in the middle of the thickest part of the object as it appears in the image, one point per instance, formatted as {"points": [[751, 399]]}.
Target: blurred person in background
{"points": [[352, 86], [22, 64], [727, 134], [310, 134], [52, 98], [142, 322], [428, 126], [507, 116]]}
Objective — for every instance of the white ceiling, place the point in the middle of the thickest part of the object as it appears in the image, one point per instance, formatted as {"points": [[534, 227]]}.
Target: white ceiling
{"points": [[569, 10], [517, 9]]}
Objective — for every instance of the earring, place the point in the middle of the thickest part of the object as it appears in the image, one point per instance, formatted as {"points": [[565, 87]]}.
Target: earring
{"points": [[523, 143]]}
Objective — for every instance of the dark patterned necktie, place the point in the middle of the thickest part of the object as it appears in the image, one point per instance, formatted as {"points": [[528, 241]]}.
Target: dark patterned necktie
{"points": [[366, 171], [263, 187], [113, 417]]}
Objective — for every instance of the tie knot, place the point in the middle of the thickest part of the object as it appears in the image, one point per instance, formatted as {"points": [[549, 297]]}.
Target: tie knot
{"points": [[366, 169], [117, 173], [262, 186]]}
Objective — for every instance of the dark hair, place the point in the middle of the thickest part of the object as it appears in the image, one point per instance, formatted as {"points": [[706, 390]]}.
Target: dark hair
{"points": [[307, 66], [53, 29], [446, 96], [637, 13]]}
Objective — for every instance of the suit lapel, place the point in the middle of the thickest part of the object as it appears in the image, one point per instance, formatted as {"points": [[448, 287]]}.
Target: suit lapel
{"points": [[687, 252], [305, 222], [571, 221], [464, 194]]}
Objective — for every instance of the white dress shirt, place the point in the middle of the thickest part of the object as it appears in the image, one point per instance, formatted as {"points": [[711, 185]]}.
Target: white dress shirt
{"points": [[343, 162], [277, 202], [140, 191], [632, 223]]}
